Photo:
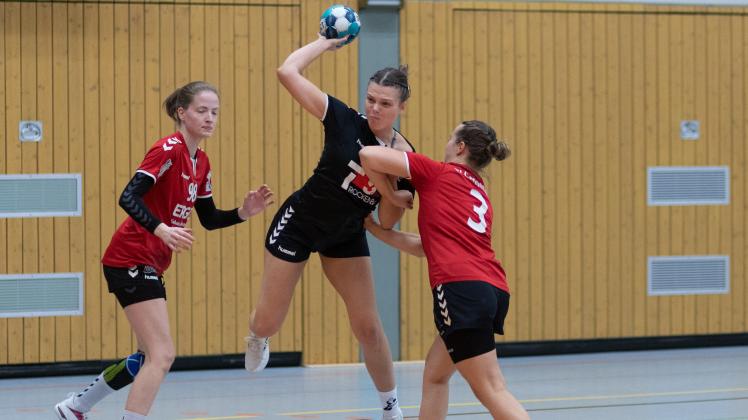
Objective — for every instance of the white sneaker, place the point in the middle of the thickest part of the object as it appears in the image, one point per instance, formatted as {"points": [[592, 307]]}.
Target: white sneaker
{"points": [[257, 354], [64, 412], [393, 414]]}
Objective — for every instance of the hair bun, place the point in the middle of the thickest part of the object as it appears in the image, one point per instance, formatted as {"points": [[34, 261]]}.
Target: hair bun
{"points": [[499, 150]]}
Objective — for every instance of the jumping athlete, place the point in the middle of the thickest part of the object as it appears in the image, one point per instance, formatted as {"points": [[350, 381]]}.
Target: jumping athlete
{"points": [[468, 284], [326, 216], [173, 178]]}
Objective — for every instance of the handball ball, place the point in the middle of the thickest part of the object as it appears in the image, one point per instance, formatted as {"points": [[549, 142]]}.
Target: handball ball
{"points": [[338, 22]]}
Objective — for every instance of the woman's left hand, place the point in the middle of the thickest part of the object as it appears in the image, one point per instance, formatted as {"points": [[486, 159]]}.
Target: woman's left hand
{"points": [[255, 202]]}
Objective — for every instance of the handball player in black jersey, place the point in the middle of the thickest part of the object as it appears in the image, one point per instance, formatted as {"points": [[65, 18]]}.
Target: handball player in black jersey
{"points": [[326, 216]]}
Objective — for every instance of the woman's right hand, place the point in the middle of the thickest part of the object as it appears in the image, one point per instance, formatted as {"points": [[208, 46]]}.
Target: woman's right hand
{"points": [[176, 238], [332, 44]]}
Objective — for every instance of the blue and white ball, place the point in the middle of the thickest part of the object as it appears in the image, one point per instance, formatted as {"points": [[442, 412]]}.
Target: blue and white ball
{"points": [[338, 22]]}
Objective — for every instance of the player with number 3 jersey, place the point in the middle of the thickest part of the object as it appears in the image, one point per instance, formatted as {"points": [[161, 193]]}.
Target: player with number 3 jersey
{"points": [[468, 284]]}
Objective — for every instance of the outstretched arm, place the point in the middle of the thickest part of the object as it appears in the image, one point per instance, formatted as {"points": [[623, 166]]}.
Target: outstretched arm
{"points": [[213, 218], [404, 241], [306, 93]]}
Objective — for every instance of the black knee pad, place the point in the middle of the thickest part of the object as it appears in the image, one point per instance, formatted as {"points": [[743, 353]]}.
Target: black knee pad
{"points": [[122, 373]]}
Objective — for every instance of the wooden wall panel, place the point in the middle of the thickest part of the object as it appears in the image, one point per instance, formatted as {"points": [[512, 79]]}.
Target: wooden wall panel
{"points": [[96, 75], [588, 96], [4, 128]]}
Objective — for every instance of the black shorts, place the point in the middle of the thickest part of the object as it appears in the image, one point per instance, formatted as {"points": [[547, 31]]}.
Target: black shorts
{"points": [[467, 314], [296, 232], [134, 284]]}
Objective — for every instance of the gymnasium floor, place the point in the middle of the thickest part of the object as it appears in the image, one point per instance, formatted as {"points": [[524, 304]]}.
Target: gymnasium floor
{"points": [[709, 383]]}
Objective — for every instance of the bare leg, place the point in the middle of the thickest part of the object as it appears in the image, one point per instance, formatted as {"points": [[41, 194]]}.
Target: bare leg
{"points": [[352, 278], [436, 374], [278, 282], [488, 384], [150, 321]]}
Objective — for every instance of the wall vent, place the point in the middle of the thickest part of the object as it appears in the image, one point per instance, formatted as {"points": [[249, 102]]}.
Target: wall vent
{"points": [[688, 275], [688, 185], [40, 195], [48, 294]]}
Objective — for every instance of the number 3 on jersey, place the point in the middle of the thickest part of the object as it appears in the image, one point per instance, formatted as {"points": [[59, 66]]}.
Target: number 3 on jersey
{"points": [[480, 225]]}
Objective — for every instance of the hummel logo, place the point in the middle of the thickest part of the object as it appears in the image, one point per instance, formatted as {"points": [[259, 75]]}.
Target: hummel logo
{"points": [[390, 404], [132, 271], [286, 251], [281, 224], [130, 289], [443, 305], [185, 176]]}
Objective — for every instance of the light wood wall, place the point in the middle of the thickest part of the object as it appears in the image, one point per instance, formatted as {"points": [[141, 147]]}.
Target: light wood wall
{"points": [[95, 74], [588, 96]]}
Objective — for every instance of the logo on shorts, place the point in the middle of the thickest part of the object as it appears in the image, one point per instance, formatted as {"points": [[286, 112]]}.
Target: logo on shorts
{"points": [[286, 251], [443, 305], [150, 273], [133, 271], [130, 289], [281, 224]]}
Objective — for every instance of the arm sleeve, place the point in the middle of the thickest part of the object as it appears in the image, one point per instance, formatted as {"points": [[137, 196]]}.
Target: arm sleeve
{"points": [[213, 218], [132, 202]]}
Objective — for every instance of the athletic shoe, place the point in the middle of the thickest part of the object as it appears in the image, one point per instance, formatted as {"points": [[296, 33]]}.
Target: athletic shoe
{"points": [[392, 414], [258, 353], [64, 412]]}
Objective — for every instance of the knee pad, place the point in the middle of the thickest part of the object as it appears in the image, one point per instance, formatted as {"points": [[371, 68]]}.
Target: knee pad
{"points": [[133, 362], [123, 372]]}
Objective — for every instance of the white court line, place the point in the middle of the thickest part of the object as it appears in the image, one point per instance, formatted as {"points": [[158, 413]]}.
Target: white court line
{"points": [[524, 401]]}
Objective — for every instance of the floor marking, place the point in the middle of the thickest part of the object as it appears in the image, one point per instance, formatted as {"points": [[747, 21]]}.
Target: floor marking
{"points": [[523, 401]]}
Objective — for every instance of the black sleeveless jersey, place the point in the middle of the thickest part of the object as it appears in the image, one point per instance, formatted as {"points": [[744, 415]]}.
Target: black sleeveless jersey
{"points": [[339, 188]]}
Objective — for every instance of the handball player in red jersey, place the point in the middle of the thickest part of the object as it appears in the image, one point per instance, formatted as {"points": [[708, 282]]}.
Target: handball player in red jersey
{"points": [[173, 178], [468, 284]]}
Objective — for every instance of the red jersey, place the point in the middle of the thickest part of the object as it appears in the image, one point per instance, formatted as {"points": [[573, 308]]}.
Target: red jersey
{"points": [[454, 220], [179, 181]]}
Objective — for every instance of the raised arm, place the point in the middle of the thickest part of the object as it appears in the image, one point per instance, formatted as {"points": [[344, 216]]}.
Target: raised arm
{"points": [[306, 93], [404, 241]]}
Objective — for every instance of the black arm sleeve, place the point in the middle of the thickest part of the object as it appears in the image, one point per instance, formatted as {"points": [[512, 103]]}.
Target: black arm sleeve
{"points": [[213, 218], [132, 202]]}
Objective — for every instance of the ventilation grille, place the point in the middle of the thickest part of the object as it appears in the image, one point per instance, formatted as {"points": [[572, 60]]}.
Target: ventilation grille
{"points": [[686, 186], [53, 294], [689, 275], [40, 195]]}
